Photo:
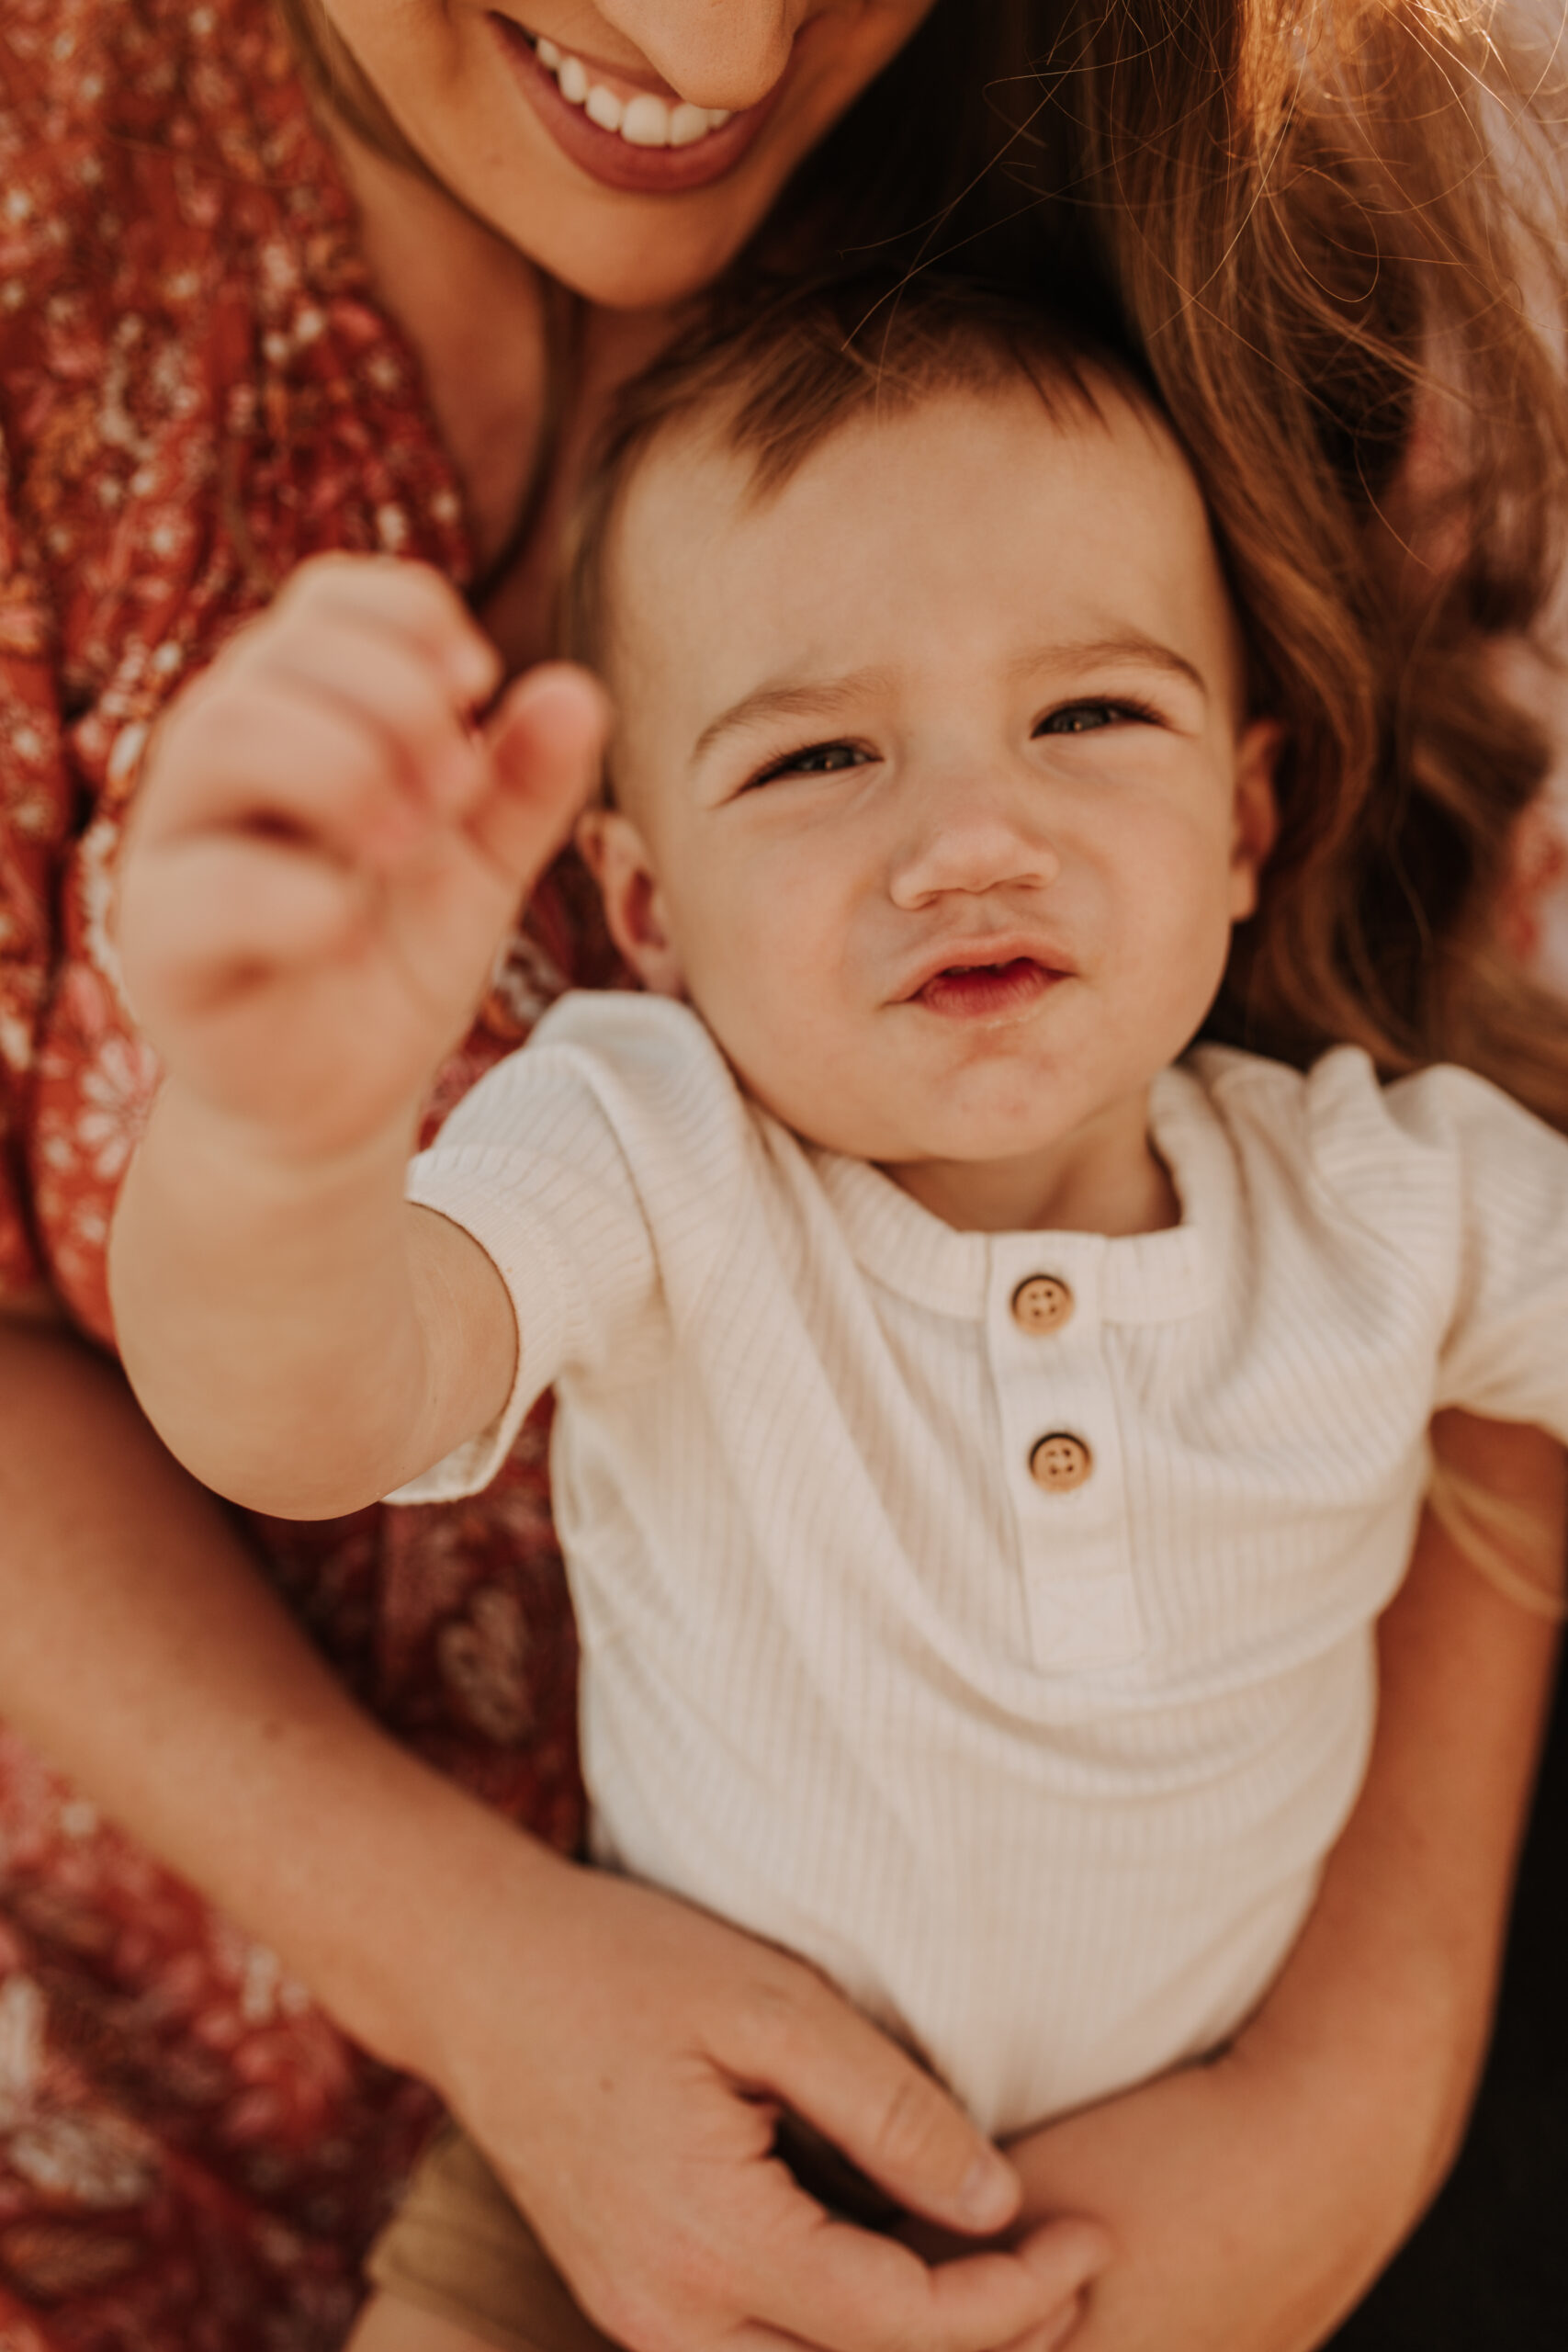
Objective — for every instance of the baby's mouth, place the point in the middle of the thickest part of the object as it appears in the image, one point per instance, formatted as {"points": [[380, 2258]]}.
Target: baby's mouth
{"points": [[988, 990]]}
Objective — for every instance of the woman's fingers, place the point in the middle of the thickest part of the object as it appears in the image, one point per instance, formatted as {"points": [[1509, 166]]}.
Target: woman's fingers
{"points": [[813, 2281], [641, 2142], [847, 2291], [875, 2104], [1056, 2333], [1054, 2338], [1066, 2257], [859, 2293]]}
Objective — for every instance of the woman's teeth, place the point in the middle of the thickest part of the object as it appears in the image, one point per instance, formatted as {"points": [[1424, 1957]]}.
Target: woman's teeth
{"points": [[642, 120]]}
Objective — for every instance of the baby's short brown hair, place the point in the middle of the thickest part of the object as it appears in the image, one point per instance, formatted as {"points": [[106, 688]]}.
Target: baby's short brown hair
{"points": [[773, 378]]}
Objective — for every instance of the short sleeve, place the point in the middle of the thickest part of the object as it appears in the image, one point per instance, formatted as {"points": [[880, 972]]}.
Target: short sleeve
{"points": [[1472, 1191], [596, 1168], [35, 805]]}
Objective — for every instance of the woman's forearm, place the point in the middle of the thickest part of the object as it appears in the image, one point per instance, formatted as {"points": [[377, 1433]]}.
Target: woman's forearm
{"points": [[609, 2047], [1254, 2198], [146, 1658], [1396, 1973]]}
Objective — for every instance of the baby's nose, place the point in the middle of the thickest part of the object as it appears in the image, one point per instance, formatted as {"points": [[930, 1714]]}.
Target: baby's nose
{"points": [[970, 850]]}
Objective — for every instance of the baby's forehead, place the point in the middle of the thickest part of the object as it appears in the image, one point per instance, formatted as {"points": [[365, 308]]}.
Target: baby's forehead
{"points": [[698, 500]]}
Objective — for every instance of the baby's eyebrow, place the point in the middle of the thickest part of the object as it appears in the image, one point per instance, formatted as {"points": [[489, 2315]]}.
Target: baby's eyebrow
{"points": [[1147, 652], [824, 698]]}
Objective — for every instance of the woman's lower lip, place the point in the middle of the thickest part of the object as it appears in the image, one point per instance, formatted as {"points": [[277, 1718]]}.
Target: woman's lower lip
{"points": [[986, 992], [608, 158]]}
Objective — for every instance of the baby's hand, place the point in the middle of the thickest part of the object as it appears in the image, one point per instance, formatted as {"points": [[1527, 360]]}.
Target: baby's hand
{"points": [[326, 849]]}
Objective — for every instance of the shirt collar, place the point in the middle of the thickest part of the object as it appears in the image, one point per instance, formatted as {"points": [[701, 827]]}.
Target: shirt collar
{"points": [[1136, 1278]]}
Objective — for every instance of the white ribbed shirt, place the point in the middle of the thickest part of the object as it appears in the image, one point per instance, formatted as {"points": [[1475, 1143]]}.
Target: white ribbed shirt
{"points": [[1042, 1778]]}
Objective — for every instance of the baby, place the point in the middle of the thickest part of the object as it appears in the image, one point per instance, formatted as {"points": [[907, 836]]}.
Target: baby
{"points": [[987, 1430]]}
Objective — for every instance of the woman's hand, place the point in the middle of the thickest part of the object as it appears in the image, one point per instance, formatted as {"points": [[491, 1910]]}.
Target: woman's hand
{"points": [[326, 847], [636, 2129], [1249, 2208], [1249, 2202], [153, 1665], [1252, 2202]]}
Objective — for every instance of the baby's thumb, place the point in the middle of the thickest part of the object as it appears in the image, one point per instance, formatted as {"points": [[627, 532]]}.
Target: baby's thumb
{"points": [[545, 741]]}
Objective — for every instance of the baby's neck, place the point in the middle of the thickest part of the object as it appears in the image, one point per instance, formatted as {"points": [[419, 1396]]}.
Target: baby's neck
{"points": [[1111, 1182]]}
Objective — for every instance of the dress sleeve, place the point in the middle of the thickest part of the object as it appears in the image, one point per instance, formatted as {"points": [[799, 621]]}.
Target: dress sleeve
{"points": [[1474, 1190], [598, 1169], [35, 810]]}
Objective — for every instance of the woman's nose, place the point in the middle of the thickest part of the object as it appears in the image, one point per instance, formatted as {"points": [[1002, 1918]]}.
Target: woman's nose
{"points": [[716, 52], [967, 841]]}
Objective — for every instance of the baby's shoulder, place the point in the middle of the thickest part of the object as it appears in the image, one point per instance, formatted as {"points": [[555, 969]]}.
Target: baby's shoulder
{"points": [[1406, 1155], [649, 1047], [611, 1072]]}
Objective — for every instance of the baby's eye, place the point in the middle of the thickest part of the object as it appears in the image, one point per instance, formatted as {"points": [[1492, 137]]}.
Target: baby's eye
{"points": [[816, 759], [1090, 718]]}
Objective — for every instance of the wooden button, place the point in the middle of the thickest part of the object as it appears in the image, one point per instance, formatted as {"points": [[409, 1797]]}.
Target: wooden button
{"points": [[1042, 1303], [1060, 1462]]}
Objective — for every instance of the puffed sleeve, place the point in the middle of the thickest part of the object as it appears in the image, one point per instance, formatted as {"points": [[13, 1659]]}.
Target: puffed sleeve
{"points": [[35, 809], [1472, 1191], [598, 1169]]}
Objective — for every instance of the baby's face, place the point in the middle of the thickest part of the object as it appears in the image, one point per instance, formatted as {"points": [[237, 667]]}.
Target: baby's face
{"points": [[935, 797]]}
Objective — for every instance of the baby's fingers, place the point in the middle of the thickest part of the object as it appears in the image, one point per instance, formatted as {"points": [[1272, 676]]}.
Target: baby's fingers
{"points": [[260, 752], [414, 605], [218, 913], [546, 743]]}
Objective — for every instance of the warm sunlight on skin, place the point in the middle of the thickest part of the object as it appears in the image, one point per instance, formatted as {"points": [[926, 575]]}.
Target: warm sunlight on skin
{"points": [[934, 794], [628, 224]]}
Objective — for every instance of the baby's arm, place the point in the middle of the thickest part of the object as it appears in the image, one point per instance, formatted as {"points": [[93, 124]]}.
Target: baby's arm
{"points": [[325, 853]]}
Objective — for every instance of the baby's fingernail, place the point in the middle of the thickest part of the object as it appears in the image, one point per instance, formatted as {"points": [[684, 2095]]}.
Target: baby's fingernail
{"points": [[989, 2195]]}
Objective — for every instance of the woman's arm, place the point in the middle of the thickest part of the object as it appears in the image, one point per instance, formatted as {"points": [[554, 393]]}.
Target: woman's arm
{"points": [[616, 2053], [1253, 2200]]}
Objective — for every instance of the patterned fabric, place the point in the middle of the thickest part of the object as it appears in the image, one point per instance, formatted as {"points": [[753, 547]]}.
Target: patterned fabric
{"points": [[197, 389]]}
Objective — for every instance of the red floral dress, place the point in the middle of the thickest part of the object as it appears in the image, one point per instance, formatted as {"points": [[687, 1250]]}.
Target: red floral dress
{"points": [[197, 389]]}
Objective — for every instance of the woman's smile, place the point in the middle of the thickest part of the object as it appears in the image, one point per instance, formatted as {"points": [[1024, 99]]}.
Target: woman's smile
{"points": [[628, 130], [629, 148]]}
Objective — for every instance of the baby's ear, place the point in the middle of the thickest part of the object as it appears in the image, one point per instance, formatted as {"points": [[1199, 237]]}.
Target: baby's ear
{"points": [[616, 855], [1255, 821]]}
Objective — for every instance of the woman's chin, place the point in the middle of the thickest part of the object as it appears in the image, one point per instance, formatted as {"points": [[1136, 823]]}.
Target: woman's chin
{"points": [[651, 263]]}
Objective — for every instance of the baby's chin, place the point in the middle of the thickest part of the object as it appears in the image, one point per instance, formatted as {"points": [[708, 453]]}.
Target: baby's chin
{"points": [[846, 1130]]}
